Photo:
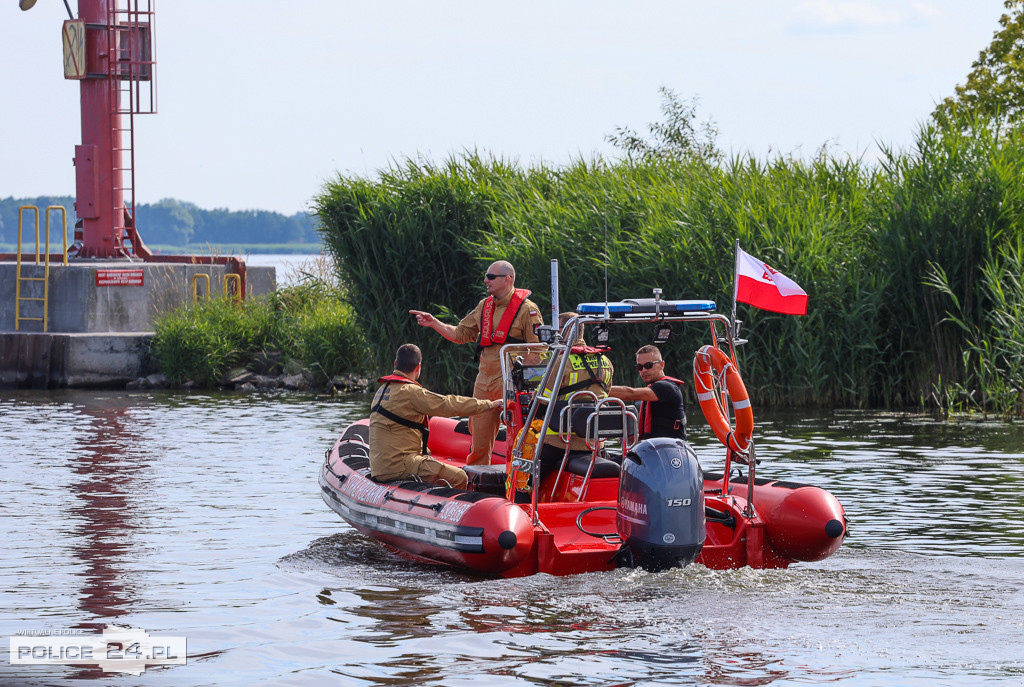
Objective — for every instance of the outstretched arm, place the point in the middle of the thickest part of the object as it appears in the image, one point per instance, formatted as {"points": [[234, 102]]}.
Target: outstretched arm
{"points": [[628, 393], [425, 319], [429, 403]]}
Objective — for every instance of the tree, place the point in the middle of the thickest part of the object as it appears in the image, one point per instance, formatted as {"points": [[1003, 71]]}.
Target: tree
{"points": [[995, 86], [168, 222], [678, 137]]}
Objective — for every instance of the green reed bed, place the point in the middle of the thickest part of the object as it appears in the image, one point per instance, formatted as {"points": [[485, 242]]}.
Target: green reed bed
{"points": [[866, 241]]}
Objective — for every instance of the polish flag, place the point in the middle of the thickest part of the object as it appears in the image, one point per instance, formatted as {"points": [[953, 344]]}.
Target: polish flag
{"points": [[766, 288]]}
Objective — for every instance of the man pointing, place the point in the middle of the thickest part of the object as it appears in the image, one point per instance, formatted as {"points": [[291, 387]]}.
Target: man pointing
{"points": [[506, 315]]}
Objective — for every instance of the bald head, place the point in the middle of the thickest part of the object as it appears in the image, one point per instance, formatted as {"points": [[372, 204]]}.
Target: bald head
{"points": [[500, 279], [503, 267]]}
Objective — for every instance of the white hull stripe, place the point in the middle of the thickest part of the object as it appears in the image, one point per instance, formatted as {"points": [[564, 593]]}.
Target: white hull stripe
{"points": [[408, 526]]}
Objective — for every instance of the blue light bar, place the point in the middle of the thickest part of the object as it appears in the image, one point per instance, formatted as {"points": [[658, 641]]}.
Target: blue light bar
{"points": [[599, 308], [645, 306]]}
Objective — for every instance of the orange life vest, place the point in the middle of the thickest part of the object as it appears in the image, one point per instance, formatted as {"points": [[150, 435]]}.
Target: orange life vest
{"points": [[496, 337]]}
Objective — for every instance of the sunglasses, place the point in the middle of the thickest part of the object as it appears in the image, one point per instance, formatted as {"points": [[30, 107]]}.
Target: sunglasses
{"points": [[492, 277], [648, 365]]}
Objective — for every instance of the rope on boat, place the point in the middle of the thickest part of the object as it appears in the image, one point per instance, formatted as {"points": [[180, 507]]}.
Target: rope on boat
{"points": [[611, 538], [390, 496]]}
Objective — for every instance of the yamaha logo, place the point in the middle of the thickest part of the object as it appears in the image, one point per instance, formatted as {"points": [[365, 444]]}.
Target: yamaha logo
{"points": [[676, 463], [669, 538]]}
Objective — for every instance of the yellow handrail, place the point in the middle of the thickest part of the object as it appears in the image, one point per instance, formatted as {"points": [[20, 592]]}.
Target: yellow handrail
{"points": [[64, 229], [237, 290], [17, 275], [195, 286], [21, 215]]}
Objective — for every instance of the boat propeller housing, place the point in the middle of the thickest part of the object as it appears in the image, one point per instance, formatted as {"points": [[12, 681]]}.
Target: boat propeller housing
{"points": [[660, 510]]}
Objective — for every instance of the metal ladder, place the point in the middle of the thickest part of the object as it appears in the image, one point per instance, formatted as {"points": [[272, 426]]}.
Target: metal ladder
{"points": [[132, 70], [19, 277]]}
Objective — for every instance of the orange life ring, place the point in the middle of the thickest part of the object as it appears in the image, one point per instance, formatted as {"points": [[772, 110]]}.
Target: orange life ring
{"points": [[709, 361]]}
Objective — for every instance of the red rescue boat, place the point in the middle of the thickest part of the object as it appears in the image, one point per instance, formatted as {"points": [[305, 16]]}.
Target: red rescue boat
{"points": [[624, 503]]}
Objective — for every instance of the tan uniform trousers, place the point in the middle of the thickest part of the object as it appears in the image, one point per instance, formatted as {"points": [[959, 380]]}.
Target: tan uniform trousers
{"points": [[484, 426], [433, 471]]}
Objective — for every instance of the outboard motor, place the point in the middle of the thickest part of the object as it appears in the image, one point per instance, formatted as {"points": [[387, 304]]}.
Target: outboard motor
{"points": [[660, 513]]}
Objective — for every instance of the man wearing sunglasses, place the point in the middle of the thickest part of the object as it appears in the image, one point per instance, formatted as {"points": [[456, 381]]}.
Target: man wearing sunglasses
{"points": [[661, 402], [506, 315]]}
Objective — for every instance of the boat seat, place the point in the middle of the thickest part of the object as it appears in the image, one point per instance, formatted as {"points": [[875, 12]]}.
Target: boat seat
{"points": [[489, 479], [579, 462], [609, 426], [357, 462], [609, 422], [353, 448], [361, 432]]}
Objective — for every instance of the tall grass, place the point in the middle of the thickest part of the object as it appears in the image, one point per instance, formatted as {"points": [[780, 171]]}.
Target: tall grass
{"points": [[406, 242], [202, 342], [993, 358], [950, 205], [862, 239]]}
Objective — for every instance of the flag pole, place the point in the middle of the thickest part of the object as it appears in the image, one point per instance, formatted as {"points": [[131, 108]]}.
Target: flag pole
{"points": [[735, 291]]}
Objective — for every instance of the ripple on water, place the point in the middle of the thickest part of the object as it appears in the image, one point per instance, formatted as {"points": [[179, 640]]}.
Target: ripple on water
{"points": [[200, 516]]}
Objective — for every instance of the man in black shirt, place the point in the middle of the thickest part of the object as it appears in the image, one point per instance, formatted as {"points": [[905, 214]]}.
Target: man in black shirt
{"points": [[661, 410]]}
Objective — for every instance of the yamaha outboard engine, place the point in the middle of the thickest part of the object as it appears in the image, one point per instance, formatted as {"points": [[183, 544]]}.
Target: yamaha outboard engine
{"points": [[660, 512]]}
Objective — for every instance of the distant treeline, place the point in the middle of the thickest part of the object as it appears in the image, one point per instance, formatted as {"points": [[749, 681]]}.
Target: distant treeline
{"points": [[913, 265], [176, 223]]}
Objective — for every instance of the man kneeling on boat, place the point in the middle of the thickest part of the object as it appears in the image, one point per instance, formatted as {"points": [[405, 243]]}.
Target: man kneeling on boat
{"points": [[398, 424]]}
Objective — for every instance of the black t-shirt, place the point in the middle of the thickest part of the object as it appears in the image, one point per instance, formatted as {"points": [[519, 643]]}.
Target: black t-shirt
{"points": [[668, 417]]}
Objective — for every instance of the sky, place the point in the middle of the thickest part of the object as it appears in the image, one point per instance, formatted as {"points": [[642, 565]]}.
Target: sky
{"points": [[261, 102]]}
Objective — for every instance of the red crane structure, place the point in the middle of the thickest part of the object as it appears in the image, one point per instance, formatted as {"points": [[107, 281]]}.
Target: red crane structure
{"points": [[91, 316], [110, 50]]}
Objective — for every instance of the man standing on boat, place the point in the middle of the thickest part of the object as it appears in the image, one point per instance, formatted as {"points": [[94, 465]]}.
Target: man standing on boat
{"points": [[398, 424], [661, 402], [506, 315]]}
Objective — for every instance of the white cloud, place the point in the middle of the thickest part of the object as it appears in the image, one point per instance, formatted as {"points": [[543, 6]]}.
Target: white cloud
{"points": [[841, 17]]}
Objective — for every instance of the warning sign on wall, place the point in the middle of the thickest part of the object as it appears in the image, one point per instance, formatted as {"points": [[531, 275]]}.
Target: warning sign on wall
{"points": [[120, 277]]}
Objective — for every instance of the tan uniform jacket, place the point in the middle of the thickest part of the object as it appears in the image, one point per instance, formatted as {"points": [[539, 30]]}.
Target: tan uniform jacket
{"points": [[396, 449], [488, 377]]}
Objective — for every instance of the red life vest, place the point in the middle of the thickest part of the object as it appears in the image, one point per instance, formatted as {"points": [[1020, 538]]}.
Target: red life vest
{"points": [[398, 379], [645, 408], [490, 336], [424, 429]]}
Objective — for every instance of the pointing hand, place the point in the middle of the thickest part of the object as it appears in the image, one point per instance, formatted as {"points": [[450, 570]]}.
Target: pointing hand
{"points": [[423, 319]]}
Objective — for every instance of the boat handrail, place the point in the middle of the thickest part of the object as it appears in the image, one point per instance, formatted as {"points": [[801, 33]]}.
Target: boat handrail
{"points": [[565, 416], [636, 311], [625, 437], [565, 427], [627, 431]]}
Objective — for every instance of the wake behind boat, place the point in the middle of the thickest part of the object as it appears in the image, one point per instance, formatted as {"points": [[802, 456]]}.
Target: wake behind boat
{"points": [[625, 501]]}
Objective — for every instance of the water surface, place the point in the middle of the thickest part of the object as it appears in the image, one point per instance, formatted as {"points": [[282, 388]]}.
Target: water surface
{"points": [[200, 516]]}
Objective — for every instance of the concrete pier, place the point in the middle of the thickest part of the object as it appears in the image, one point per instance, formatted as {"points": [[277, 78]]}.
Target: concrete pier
{"points": [[100, 317]]}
